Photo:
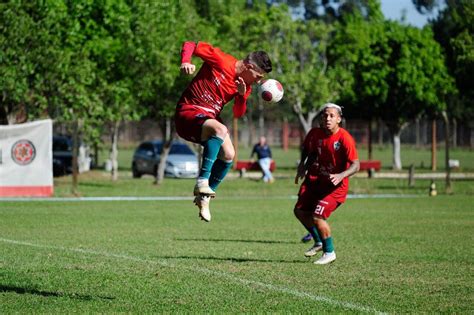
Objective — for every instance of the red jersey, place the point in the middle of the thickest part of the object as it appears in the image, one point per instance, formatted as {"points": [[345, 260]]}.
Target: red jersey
{"points": [[334, 154], [214, 85]]}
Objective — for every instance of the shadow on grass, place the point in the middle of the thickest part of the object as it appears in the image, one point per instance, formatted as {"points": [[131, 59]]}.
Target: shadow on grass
{"points": [[234, 240], [19, 290], [235, 259]]}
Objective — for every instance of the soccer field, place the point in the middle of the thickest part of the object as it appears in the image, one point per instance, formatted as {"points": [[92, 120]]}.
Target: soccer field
{"points": [[395, 255]]}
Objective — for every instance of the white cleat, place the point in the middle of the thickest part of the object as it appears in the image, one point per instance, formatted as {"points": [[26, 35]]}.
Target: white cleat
{"points": [[202, 188], [313, 250], [326, 258], [203, 204]]}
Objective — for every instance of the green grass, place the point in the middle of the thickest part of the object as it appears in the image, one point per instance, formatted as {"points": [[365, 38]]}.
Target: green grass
{"points": [[419, 157], [98, 183], [407, 255]]}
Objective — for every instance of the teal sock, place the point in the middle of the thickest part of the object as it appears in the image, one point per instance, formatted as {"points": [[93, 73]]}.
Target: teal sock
{"points": [[328, 246], [209, 155], [219, 171], [314, 233]]}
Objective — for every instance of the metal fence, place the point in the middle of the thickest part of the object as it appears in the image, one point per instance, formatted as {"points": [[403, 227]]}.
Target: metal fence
{"points": [[416, 133]]}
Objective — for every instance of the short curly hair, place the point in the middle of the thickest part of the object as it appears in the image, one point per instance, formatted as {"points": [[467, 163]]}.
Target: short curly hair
{"points": [[261, 59]]}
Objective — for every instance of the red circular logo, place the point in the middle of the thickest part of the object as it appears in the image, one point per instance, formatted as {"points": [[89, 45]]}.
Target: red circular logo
{"points": [[23, 152]]}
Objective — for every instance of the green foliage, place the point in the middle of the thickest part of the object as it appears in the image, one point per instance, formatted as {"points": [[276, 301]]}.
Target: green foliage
{"points": [[418, 80], [52, 71], [454, 30], [159, 29], [104, 61], [398, 71]]}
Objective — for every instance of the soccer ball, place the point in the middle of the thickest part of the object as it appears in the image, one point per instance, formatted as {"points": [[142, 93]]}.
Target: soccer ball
{"points": [[270, 90]]}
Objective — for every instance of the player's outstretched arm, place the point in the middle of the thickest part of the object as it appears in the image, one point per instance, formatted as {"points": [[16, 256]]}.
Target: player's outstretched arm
{"points": [[187, 51]]}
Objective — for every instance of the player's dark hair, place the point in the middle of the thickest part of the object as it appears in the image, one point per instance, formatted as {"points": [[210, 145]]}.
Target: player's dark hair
{"points": [[261, 59]]}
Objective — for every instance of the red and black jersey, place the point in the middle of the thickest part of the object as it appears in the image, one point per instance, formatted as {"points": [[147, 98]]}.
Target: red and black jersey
{"points": [[214, 85]]}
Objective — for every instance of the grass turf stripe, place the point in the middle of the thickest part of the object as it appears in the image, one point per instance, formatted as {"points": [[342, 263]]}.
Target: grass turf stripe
{"points": [[220, 274]]}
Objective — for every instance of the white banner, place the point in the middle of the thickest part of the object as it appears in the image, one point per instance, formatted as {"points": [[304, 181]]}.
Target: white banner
{"points": [[26, 159]]}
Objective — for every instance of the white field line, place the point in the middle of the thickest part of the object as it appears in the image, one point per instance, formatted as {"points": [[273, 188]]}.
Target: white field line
{"points": [[178, 198], [219, 274]]}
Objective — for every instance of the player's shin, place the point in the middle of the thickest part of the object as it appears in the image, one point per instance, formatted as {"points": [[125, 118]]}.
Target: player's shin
{"points": [[314, 233], [218, 173], [209, 155], [328, 246]]}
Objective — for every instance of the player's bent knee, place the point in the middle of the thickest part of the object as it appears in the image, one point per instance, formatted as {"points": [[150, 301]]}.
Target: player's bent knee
{"points": [[212, 127], [221, 131], [229, 155]]}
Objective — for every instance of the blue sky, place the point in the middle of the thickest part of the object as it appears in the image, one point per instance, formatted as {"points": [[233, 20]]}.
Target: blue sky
{"points": [[392, 9]]}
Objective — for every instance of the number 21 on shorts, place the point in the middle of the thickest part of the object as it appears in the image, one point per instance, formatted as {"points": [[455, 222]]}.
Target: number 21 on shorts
{"points": [[319, 209]]}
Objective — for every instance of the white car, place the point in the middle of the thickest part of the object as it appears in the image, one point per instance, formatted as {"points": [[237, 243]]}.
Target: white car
{"points": [[182, 162]]}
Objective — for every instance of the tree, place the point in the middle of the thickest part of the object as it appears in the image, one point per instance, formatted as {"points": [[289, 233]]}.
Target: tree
{"points": [[357, 38], [398, 73], [454, 30], [47, 70], [299, 49], [418, 80], [110, 42]]}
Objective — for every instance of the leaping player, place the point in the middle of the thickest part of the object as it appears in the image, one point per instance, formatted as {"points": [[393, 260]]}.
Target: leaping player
{"points": [[221, 78]]}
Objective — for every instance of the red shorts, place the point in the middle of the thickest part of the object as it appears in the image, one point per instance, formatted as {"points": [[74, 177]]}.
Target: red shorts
{"points": [[312, 199], [189, 119]]}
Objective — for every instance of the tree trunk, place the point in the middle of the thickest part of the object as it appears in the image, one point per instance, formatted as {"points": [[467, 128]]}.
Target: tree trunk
{"points": [[455, 133], [471, 137], [285, 131], [380, 131], [261, 119], [250, 125], [417, 132], [424, 132], [396, 161], [446, 162], [160, 170], [369, 140], [235, 135], [96, 155], [114, 151], [3, 115], [11, 119], [307, 122], [75, 150], [433, 145]]}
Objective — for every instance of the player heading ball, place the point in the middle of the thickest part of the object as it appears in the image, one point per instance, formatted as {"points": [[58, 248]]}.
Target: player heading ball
{"points": [[220, 79]]}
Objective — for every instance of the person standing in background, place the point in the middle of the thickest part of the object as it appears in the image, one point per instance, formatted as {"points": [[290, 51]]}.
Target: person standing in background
{"points": [[264, 155]]}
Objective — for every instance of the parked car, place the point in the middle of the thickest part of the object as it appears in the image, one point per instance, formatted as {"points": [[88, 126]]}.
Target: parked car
{"points": [[182, 162], [62, 156]]}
